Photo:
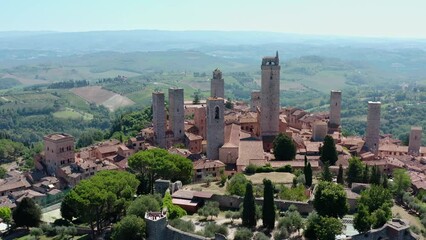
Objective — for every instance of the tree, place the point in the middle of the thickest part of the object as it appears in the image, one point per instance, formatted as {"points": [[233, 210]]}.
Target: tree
{"points": [[355, 170], [173, 211], [326, 174], [243, 234], [322, 228], [157, 163], [268, 210], [385, 181], [212, 228], [186, 226], [3, 172], [249, 207], [379, 218], [308, 175], [130, 227], [284, 147], [362, 219], [143, 204], [237, 185], [196, 99], [366, 174], [27, 214], [102, 198], [36, 232], [330, 200], [211, 209], [292, 221], [375, 175], [401, 182], [328, 151], [6, 215], [328, 228], [340, 179]]}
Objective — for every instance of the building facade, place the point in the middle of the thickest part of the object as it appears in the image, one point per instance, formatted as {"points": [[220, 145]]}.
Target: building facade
{"points": [[177, 112], [215, 127], [58, 151], [217, 85]]}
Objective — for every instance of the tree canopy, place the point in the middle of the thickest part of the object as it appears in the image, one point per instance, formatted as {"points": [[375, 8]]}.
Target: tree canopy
{"points": [[157, 163], [237, 185], [330, 200], [130, 228], [27, 213], [284, 147], [401, 182], [143, 204], [268, 214], [322, 228], [100, 198], [328, 151], [173, 211], [355, 170]]}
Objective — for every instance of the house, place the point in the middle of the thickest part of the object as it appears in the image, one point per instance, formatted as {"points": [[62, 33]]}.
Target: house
{"points": [[204, 168]]}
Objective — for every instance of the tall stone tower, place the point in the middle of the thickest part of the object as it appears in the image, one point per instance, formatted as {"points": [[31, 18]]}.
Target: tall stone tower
{"points": [[217, 85], [159, 118], [200, 120], [176, 112], [215, 127], [373, 127], [415, 140], [335, 108], [255, 100], [58, 151], [270, 99]]}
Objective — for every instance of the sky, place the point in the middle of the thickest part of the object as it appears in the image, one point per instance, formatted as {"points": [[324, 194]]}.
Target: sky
{"points": [[365, 18]]}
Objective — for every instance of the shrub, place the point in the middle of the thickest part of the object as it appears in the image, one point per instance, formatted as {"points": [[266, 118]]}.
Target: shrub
{"points": [[212, 228], [186, 226], [251, 169], [261, 236], [286, 168], [243, 234]]}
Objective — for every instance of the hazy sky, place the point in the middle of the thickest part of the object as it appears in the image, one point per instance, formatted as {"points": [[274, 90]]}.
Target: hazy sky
{"points": [[386, 18]]}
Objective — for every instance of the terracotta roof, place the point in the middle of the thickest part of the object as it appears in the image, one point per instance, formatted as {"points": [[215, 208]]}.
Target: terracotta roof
{"points": [[249, 150], [107, 149], [203, 164], [232, 134], [12, 184], [193, 137], [393, 148]]}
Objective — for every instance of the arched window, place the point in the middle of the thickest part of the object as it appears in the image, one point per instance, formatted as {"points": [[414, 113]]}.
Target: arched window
{"points": [[216, 112]]}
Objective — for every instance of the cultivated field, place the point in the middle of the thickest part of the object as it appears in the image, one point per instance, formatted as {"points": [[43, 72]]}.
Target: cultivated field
{"points": [[100, 96], [70, 113]]}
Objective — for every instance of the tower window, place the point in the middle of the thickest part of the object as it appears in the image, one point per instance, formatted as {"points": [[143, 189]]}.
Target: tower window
{"points": [[216, 112]]}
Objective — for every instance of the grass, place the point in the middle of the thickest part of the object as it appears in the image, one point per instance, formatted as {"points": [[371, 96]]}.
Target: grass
{"points": [[70, 113], [275, 177], [413, 220]]}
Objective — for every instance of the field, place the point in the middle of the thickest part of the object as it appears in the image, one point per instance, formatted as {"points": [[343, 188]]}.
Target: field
{"points": [[275, 177], [70, 113], [100, 96]]}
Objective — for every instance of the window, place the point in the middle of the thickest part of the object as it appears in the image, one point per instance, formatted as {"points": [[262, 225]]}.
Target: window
{"points": [[216, 112]]}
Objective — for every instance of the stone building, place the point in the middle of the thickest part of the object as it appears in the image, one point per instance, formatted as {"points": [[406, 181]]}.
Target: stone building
{"points": [[319, 131], [415, 140], [270, 99], [217, 85], [200, 120], [58, 151], [215, 127], [255, 100], [335, 109], [159, 119], [176, 112], [373, 127]]}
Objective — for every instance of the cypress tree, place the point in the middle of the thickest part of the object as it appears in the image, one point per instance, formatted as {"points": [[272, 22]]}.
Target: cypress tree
{"points": [[328, 151], [308, 175], [268, 210], [385, 181], [249, 208], [366, 174], [340, 175], [375, 175], [326, 174]]}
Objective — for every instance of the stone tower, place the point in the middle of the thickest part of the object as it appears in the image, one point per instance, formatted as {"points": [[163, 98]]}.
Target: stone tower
{"points": [[319, 131], [215, 127], [255, 100], [58, 151], [217, 85], [270, 99], [415, 140], [176, 112], [159, 118], [373, 127], [335, 108], [200, 120]]}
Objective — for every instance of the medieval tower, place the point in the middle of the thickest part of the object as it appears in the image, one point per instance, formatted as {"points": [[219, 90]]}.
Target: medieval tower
{"points": [[335, 108], [176, 112], [373, 127], [215, 127], [415, 140], [217, 85], [255, 101], [200, 120], [159, 118], [270, 99]]}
